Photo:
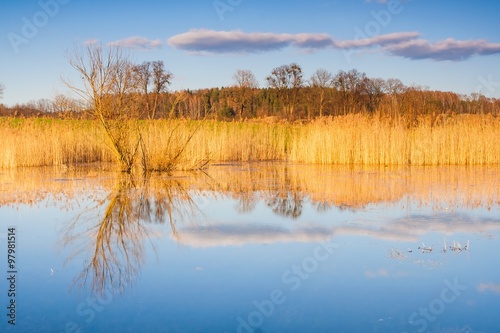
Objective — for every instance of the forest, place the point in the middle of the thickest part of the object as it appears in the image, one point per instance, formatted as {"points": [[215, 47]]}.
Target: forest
{"points": [[287, 96]]}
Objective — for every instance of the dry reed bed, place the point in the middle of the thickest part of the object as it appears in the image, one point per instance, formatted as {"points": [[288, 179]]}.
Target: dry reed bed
{"points": [[48, 142], [353, 139]]}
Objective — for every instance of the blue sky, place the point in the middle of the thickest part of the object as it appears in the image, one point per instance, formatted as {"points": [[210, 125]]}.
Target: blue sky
{"points": [[443, 45]]}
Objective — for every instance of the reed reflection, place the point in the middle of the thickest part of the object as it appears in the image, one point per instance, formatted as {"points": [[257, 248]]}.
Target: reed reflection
{"points": [[284, 188]]}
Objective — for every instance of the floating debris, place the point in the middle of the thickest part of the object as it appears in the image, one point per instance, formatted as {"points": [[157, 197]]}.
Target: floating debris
{"points": [[396, 254], [457, 247], [425, 248]]}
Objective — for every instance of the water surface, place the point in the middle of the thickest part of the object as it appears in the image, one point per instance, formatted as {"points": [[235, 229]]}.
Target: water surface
{"points": [[254, 248]]}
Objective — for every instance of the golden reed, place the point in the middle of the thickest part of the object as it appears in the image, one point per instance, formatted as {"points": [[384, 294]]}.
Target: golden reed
{"points": [[348, 140]]}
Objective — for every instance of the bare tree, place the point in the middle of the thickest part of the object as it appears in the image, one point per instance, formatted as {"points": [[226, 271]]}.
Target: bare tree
{"points": [[321, 83], [287, 80], [42, 105], [244, 82], [350, 85], [2, 89], [142, 77], [394, 87], [106, 78], [64, 105], [161, 80], [152, 79], [374, 89], [108, 87]]}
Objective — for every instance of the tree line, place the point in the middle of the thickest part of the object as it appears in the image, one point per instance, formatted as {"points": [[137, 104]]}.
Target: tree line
{"points": [[140, 91]]}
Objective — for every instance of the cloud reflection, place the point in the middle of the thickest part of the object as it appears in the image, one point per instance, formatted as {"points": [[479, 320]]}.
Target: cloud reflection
{"points": [[489, 288], [408, 229], [237, 235], [376, 274]]}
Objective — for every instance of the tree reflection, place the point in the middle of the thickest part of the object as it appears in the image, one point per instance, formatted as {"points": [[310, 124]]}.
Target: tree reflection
{"points": [[247, 201], [116, 243], [289, 204], [321, 206], [287, 200]]}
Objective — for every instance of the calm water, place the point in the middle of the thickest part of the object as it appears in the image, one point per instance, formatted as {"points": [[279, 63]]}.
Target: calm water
{"points": [[253, 248]]}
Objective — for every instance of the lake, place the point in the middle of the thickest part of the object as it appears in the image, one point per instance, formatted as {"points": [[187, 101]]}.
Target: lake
{"points": [[253, 247]]}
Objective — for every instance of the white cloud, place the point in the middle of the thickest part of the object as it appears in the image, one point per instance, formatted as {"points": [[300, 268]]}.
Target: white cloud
{"points": [[138, 43], [403, 44], [448, 49], [379, 40], [211, 41], [91, 41]]}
